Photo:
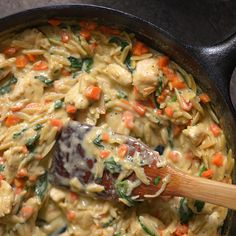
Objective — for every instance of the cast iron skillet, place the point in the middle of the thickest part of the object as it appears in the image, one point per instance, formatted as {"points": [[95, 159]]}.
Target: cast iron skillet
{"points": [[212, 67]]}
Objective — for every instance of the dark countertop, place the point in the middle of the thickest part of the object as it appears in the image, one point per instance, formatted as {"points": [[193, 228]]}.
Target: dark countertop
{"points": [[196, 22]]}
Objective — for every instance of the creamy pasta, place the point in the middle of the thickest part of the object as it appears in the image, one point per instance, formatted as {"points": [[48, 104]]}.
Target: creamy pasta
{"points": [[101, 76]]}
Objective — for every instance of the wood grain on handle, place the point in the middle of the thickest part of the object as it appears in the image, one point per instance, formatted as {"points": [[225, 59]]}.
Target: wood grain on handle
{"points": [[203, 189]]}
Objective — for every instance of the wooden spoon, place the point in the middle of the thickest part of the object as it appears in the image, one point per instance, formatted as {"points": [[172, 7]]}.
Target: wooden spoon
{"points": [[70, 161]]}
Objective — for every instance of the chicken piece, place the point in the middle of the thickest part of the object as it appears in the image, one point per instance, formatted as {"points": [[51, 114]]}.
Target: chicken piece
{"points": [[6, 198], [118, 74], [196, 133], [146, 75]]}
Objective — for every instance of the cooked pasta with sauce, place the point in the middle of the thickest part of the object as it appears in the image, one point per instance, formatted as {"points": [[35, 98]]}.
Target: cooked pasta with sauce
{"points": [[101, 76]]}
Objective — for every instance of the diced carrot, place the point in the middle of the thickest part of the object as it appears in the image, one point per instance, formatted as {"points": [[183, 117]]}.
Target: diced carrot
{"points": [[73, 196], [27, 212], [140, 49], [160, 232], [12, 120], [21, 61], [215, 129], [22, 173], [57, 123], [163, 61], [204, 98], [31, 57], [93, 93], [65, 72], [178, 83], [159, 112], [128, 119], [105, 137], [181, 230], [104, 154], [54, 22], [218, 159], [125, 101], [140, 109], [17, 107], [123, 150], [33, 178], [19, 182], [2, 177], [85, 33], [177, 130], [71, 109], [65, 36], [207, 174], [40, 65], [10, 51], [71, 215], [169, 111], [89, 25], [174, 156]]}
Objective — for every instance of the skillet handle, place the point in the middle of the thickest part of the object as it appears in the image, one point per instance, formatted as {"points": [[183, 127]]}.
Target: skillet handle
{"points": [[219, 61]]}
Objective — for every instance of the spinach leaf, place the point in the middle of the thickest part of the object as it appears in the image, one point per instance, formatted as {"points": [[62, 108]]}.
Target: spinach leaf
{"points": [[38, 127], [122, 94], [44, 79], [128, 63], [157, 180], [159, 89], [18, 134], [170, 138], [87, 64], [108, 223], [97, 141], [112, 166], [119, 41], [6, 87], [75, 63], [122, 188], [31, 143], [145, 228], [2, 167], [199, 205], [41, 185], [174, 98], [58, 104], [185, 213]]}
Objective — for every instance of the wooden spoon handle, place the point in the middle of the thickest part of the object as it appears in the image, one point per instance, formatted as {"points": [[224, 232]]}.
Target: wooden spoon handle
{"points": [[198, 188]]}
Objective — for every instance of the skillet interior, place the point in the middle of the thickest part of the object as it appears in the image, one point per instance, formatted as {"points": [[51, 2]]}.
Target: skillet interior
{"points": [[152, 36]]}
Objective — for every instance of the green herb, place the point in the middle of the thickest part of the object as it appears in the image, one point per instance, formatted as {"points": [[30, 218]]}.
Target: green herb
{"points": [[97, 141], [44, 79], [128, 63], [174, 98], [119, 41], [41, 185], [202, 169], [122, 189], [112, 166], [87, 64], [109, 223], [6, 87], [30, 144], [75, 74], [159, 88], [199, 205], [117, 234], [122, 94], [75, 63], [185, 213], [38, 127], [157, 180], [18, 134], [58, 104], [170, 139], [2, 167], [145, 228]]}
